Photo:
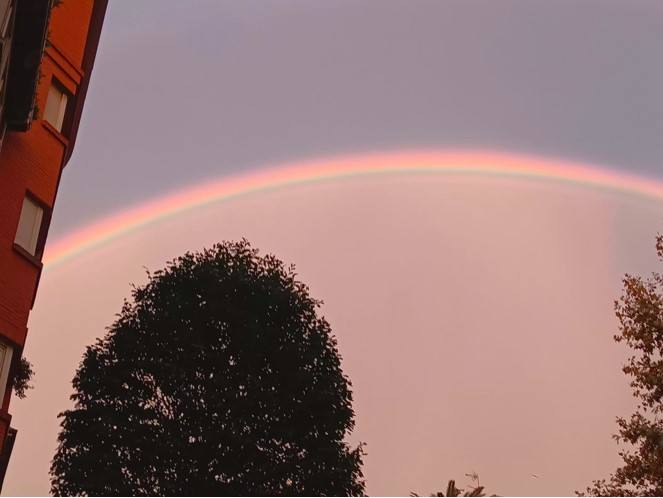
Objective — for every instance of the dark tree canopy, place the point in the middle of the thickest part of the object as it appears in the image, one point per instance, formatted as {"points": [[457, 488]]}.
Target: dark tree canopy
{"points": [[21, 378], [640, 314], [218, 378]]}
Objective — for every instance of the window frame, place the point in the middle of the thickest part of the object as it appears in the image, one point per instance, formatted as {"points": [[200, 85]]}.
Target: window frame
{"points": [[63, 111], [6, 357], [41, 235]]}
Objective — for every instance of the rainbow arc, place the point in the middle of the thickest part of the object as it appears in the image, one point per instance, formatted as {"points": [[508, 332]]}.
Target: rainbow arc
{"points": [[281, 176]]}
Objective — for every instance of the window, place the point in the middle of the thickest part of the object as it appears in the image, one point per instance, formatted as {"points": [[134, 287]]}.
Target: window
{"points": [[6, 11], [56, 105], [5, 362], [29, 225]]}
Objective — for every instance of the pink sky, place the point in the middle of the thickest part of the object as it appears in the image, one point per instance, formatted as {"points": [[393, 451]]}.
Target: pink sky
{"points": [[474, 316]]}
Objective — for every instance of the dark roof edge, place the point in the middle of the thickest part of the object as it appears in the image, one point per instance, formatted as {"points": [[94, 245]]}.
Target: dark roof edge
{"points": [[91, 45]]}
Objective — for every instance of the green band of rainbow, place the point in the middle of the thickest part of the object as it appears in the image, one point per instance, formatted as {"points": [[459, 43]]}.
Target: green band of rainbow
{"points": [[450, 162]]}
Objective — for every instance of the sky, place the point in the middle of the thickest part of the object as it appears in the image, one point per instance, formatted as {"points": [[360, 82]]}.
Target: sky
{"points": [[474, 314]]}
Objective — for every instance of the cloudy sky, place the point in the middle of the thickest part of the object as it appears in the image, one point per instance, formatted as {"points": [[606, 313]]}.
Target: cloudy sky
{"points": [[474, 314]]}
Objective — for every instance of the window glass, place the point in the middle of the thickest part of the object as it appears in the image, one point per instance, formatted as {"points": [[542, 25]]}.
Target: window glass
{"points": [[29, 226], [5, 15], [5, 362], [56, 105], [5, 24]]}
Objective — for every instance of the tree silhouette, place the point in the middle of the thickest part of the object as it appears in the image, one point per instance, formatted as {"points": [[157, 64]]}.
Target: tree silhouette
{"points": [[21, 377], [474, 490], [640, 314], [219, 378]]}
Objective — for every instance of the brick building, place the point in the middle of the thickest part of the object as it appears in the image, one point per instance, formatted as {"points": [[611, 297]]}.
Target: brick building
{"points": [[47, 50]]}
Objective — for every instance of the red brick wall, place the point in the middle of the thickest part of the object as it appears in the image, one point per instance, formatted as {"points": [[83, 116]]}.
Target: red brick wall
{"points": [[69, 26], [32, 161], [28, 162]]}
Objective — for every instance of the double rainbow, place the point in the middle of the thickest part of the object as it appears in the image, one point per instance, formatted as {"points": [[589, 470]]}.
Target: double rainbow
{"points": [[280, 176]]}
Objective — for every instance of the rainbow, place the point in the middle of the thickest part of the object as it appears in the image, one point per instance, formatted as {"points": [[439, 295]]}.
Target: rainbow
{"points": [[285, 175]]}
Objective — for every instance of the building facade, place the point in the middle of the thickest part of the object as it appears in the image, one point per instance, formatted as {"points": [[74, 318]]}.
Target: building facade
{"points": [[47, 51]]}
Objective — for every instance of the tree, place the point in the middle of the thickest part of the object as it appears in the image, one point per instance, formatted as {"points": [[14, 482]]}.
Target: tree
{"points": [[21, 377], [219, 378], [640, 314], [474, 490]]}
